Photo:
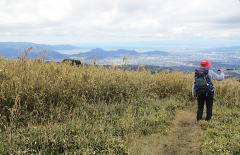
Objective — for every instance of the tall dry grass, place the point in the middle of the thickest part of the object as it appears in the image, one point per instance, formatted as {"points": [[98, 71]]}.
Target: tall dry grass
{"points": [[59, 108]]}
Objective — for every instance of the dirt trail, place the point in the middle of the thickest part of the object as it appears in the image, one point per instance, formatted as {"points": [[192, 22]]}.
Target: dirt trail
{"points": [[181, 140]]}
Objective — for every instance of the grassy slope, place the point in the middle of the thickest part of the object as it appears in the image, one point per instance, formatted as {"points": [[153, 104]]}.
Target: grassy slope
{"points": [[183, 138], [221, 134], [57, 108]]}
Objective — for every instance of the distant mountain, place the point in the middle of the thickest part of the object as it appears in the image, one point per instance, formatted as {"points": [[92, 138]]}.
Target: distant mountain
{"points": [[9, 52], [99, 53], [15, 49]]}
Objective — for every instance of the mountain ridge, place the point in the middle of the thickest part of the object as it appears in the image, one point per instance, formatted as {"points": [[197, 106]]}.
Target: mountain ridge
{"points": [[15, 49], [100, 53]]}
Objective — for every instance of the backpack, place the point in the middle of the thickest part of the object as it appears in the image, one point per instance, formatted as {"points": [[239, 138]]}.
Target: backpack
{"points": [[202, 83]]}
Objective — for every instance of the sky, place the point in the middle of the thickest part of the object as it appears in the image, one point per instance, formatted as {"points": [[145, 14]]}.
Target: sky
{"points": [[109, 22]]}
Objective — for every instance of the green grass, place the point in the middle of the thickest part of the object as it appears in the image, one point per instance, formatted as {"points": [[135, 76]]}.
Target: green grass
{"points": [[94, 128], [222, 134]]}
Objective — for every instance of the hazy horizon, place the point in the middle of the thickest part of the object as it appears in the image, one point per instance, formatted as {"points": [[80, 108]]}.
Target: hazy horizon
{"points": [[169, 45]]}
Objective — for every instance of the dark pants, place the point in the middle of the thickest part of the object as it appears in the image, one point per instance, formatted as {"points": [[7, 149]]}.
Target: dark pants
{"points": [[202, 99]]}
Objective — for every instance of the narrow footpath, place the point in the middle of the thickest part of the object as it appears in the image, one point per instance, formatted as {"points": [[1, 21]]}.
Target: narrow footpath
{"points": [[183, 138]]}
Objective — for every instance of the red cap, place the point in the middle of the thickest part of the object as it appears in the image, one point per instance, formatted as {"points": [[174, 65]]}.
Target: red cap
{"points": [[205, 63]]}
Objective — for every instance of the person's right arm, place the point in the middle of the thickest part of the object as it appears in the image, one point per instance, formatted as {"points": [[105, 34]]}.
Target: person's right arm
{"points": [[216, 76]]}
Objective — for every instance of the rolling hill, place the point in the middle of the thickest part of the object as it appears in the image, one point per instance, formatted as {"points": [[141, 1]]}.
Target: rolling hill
{"points": [[14, 49], [99, 53]]}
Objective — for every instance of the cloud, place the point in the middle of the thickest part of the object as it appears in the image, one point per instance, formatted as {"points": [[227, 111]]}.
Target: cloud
{"points": [[28, 12], [104, 20]]}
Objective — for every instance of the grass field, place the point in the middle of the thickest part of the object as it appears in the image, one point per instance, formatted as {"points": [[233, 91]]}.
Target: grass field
{"points": [[50, 108]]}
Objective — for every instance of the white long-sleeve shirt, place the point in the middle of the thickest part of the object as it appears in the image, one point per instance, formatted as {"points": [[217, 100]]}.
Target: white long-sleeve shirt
{"points": [[213, 76]]}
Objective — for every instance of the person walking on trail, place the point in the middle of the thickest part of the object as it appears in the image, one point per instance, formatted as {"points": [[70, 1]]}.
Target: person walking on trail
{"points": [[203, 88]]}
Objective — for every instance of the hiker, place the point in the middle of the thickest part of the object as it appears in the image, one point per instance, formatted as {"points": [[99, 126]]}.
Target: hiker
{"points": [[203, 88]]}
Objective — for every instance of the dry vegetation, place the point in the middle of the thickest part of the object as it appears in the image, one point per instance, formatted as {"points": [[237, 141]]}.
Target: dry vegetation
{"points": [[50, 108]]}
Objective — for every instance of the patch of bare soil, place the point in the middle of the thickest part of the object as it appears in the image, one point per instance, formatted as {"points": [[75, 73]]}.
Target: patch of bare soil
{"points": [[181, 140]]}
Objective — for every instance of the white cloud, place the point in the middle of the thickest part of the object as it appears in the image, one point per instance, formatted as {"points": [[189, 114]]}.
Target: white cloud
{"points": [[103, 20], [29, 12]]}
